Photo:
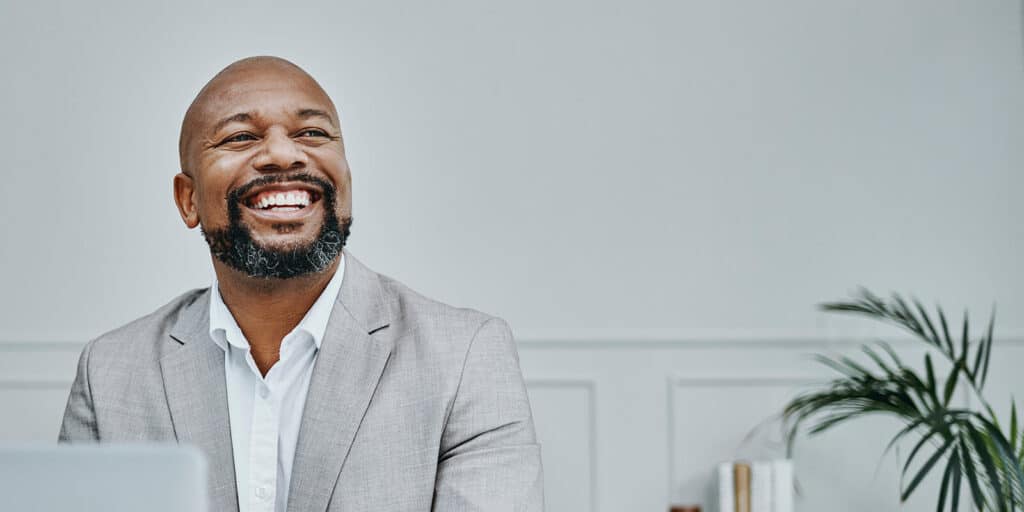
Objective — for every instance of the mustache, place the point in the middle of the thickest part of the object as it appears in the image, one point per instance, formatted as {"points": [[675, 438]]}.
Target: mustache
{"points": [[326, 188]]}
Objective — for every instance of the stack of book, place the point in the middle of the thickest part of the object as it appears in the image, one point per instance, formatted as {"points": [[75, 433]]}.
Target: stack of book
{"points": [[759, 486]]}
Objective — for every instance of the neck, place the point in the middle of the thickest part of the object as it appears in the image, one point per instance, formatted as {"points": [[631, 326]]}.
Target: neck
{"points": [[268, 309]]}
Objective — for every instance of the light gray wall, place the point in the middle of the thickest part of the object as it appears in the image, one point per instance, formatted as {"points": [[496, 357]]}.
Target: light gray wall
{"points": [[667, 176], [583, 168]]}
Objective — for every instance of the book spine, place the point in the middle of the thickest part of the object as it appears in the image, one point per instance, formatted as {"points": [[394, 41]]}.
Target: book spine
{"points": [[741, 484], [761, 487], [782, 485], [726, 495]]}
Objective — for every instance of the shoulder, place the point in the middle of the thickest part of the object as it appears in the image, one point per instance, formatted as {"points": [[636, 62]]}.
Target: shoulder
{"points": [[437, 346], [146, 334], [434, 325]]}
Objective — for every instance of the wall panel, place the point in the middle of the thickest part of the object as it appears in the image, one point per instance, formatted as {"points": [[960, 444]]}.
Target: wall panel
{"points": [[630, 425]]}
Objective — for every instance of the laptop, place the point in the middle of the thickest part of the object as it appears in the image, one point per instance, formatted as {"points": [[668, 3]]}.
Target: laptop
{"points": [[103, 477]]}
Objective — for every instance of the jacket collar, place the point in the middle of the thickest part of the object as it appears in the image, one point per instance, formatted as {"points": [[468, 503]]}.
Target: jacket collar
{"points": [[350, 362], [362, 295]]}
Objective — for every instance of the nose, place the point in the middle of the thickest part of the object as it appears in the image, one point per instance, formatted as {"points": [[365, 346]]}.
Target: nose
{"points": [[279, 152]]}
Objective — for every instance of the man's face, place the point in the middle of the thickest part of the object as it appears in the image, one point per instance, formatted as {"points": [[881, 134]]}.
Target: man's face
{"points": [[269, 181]]}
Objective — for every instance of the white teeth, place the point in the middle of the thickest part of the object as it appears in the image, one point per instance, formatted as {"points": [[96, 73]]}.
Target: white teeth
{"points": [[296, 198]]}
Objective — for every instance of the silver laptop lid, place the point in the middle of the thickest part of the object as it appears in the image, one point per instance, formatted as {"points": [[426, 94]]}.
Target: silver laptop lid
{"points": [[103, 477]]}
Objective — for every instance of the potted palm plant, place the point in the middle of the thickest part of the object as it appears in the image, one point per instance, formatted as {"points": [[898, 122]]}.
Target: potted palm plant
{"points": [[974, 450]]}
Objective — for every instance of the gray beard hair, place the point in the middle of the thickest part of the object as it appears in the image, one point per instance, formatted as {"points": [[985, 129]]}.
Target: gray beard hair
{"points": [[258, 261], [235, 247]]}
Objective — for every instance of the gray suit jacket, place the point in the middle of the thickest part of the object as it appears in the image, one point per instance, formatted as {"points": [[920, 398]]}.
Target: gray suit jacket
{"points": [[413, 405]]}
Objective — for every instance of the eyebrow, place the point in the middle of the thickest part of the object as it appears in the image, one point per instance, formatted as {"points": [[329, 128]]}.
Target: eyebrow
{"points": [[307, 113], [241, 117], [245, 117]]}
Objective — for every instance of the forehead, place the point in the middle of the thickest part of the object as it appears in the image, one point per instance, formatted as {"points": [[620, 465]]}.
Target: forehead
{"points": [[265, 96]]}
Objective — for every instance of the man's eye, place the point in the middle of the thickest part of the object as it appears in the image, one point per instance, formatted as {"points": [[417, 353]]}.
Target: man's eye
{"points": [[313, 132], [240, 137]]}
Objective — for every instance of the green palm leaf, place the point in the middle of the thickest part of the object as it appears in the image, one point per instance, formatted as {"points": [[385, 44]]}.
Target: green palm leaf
{"points": [[970, 440]]}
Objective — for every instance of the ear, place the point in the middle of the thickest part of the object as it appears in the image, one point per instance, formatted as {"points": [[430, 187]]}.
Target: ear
{"points": [[184, 197]]}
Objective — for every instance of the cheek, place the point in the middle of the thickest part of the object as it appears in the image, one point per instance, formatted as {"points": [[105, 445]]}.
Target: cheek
{"points": [[211, 200], [342, 179], [344, 198], [217, 177]]}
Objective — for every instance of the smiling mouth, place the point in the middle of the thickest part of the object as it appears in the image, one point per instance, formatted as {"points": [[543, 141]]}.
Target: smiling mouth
{"points": [[282, 199]]}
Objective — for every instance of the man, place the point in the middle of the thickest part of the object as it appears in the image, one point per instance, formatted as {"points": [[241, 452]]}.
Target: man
{"points": [[310, 382]]}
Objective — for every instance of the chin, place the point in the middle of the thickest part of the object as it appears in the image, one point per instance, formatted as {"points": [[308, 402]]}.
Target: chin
{"points": [[286, 243]]}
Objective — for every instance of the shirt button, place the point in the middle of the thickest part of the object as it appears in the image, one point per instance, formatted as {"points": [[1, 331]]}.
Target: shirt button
{"points": [[264, 391], [262, 493]]}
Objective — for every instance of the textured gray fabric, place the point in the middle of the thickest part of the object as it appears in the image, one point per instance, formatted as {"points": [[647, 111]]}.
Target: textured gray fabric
{"points": [[413, 405]]}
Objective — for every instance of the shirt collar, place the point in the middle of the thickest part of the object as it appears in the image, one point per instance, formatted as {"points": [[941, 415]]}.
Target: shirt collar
{"points": [[224, 330]]}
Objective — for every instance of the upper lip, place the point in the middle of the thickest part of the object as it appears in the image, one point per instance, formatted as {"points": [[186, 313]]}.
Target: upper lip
{"points": [[314, 191]]}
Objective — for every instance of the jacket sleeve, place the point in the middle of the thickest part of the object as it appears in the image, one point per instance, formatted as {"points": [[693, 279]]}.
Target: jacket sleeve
{"points": [[79, 415], [490, 459]]}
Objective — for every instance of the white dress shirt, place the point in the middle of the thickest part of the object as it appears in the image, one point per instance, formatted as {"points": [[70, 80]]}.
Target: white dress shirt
{"points": [[265, 412]]}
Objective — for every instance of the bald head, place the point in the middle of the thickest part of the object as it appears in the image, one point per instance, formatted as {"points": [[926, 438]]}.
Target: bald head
{"points": [[239, 92], [264, 172]]}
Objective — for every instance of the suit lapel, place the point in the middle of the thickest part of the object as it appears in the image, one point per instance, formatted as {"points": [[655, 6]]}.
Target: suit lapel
{"points": [[348, 367], [193, 373]]}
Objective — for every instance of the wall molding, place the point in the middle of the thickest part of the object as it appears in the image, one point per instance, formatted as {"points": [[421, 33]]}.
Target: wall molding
{"points": [[45, 349], [846, 334], [688, 343], [574, 344], [675, 381], [40, 346], [628, 338], [590, 386], [34, 385]]}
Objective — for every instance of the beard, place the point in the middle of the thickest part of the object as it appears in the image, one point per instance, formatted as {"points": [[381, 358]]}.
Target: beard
{"points": [[235, 246]]}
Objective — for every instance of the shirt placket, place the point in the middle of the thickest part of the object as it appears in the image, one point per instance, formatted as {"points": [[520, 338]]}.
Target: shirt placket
{"points": [[263, 450]]}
